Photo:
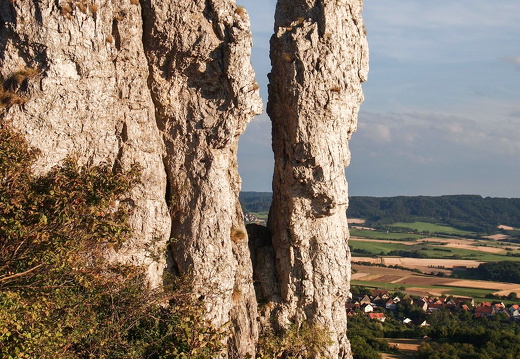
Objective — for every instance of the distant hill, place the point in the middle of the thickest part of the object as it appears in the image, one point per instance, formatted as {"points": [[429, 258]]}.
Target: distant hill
{"points": [[255, 202], [470, 212], [462, 211]]}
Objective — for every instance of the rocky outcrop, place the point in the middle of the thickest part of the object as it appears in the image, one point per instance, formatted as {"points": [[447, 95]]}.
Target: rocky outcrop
{"points": [[319, 56], [168, 85], [203, 86], [89, 98]]}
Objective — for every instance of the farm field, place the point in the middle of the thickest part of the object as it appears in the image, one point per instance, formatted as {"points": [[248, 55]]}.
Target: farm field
{"points": [[421, 284], [365, 232], [407, 348], [436, 248], [431, 228], [423, 264]]}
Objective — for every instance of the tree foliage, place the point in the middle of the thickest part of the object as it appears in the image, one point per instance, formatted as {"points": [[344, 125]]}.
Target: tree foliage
{"points": [[59, 297], [304, 341], [502, 271]]}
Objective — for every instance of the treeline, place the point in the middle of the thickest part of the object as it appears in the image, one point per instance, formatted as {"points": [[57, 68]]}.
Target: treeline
{"points": [[255, 201], [469, 212], [503, 271]]}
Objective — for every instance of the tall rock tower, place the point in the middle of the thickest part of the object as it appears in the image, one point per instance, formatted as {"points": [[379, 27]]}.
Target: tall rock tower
{"points": [[319, 58], [204, 90]]}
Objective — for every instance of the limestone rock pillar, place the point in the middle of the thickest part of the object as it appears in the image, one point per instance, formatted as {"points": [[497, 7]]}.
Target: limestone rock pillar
{"points": [[204, 89], [319, 59]]}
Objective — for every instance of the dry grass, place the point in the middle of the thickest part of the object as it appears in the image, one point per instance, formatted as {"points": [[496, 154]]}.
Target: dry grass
{"points": [[94, 8], [237, 294], [287, 57], [8, 88], [66, 10], [241, 11], [19, 77], [237, 235], [82, 6], [8, 99]]}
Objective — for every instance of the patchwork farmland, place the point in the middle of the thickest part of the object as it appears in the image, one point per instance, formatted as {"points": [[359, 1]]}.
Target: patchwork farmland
{"points": [[426, 262]]}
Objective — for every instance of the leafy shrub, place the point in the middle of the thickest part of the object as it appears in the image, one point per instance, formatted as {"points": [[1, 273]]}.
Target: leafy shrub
{"points": [[294, 342], [59, 297]]}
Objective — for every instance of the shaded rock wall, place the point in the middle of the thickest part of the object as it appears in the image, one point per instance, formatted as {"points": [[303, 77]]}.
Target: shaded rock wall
{"points": [[319, 56]]}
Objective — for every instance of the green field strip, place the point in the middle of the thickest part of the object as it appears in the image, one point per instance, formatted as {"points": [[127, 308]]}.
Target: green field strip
{"points": [[432, 228], [377, 248], [383, 235]]}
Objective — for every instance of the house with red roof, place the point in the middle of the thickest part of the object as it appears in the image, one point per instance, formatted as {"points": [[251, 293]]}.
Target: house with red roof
{"points": [[484, 311], [377, 316]]}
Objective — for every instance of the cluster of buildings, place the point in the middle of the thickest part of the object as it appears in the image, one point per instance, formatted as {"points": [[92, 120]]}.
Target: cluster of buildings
{"points": [[251, 218], [380, 301]]}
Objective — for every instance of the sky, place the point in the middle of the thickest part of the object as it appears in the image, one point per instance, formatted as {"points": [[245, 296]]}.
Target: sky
{"points": [[442, 102]]}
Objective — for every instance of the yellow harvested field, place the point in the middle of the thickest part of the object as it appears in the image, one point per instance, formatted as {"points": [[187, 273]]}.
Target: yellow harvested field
{"points": [[507, 228], [355, 221], [475, 248], [407, 347], [509, 290], [498, 237], [482, 284], [416, 282], [423, 264], [410, 243], [470, 244]]}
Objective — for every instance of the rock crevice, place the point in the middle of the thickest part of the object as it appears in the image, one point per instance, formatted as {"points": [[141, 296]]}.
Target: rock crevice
{"points": [[168, 85]]}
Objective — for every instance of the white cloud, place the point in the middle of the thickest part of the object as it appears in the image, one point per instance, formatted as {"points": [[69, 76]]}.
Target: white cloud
{"points": [[513, 60], [432, 153]]}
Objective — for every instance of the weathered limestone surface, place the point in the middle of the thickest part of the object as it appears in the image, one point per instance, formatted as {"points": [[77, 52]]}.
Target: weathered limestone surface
{"points": [[319, 56], [169, 85], [203, 86], [91, 100]]}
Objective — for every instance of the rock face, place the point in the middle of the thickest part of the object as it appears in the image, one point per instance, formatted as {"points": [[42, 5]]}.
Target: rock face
{"points": [[203, 86], [166, 84], [319, 56], [90, 99]]}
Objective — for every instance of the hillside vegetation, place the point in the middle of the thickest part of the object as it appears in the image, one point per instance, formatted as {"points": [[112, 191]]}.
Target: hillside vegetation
{"points": [[59, 297], [466, 212], [469, 212]]}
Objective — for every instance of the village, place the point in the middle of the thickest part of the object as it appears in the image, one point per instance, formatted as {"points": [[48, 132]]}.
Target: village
{"points": [[411, 310]]}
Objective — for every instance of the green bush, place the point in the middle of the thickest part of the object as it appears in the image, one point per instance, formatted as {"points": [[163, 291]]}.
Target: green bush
{"points": [[294, 342], [59, 297]]}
